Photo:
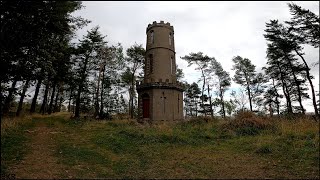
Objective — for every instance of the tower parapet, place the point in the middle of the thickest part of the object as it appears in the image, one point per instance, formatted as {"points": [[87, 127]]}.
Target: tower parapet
{"points": [[160, 24]]}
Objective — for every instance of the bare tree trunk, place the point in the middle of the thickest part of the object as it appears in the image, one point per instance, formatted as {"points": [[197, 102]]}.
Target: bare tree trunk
{"points": [[61, 91], [45, 98], [55, 106], [285, 91], [52, 97], [77, 110], [61, 97], [211, 111], [202, 99], [23, 93], [36, 93], [314, 101], [70, 97], [222, 104], [249, 94], [96, 102], [196, 103], [131, 95], [277, 95], [73, 106], [101, 95], [298, 86], [80, 85]]}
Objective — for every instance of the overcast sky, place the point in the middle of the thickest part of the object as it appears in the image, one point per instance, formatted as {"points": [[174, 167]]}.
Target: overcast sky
{"points": [[219, 29]]}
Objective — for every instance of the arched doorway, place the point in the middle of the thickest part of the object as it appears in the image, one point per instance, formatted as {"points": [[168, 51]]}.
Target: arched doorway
{"points": [[145, 106]]}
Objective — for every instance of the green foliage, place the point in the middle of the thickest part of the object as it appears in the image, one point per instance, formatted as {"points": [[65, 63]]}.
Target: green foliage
{"points": [[39, 48], [246, 76], [224, 82], [192, 94], [282, 45], [202, 63], [305, 24], [245, 70], [179, 74], [134, 62]]}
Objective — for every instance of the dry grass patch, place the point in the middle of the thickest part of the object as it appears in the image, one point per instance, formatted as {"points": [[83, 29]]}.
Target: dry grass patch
{"points": [[8, 123], [247, 123], [299, 126]]}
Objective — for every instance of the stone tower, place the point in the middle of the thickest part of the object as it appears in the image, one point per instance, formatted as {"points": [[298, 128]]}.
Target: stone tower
{"points": [[160, 96]]}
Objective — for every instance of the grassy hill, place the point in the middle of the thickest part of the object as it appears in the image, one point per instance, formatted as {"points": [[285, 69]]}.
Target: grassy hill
{"points": [[56, 146]]}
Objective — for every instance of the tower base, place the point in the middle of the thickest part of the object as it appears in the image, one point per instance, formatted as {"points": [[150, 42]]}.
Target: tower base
{"points": [[160, 102]]}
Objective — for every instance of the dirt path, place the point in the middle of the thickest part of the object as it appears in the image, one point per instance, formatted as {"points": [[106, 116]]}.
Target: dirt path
{"points": [[40, 161]]}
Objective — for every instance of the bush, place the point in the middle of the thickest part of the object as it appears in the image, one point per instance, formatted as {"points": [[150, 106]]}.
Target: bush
{"points": [[247, 123]]}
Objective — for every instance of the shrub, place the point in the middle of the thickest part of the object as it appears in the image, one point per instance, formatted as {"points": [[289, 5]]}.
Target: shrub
{"points": [[247, 123]]}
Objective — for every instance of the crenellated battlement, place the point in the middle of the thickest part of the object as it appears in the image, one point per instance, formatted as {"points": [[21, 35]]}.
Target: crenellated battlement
{"points": [[160, 24]]}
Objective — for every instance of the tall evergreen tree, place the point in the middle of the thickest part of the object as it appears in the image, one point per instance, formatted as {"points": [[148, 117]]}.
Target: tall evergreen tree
{"points": [[224, 82], [279, 42], [201, 61], [244, 75], [304, 28], [86, 61], [134, 59]]}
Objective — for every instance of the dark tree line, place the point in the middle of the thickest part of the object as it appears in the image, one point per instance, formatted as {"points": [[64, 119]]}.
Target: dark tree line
{"points": [[37, 55], [92, 77], [35, 48]]}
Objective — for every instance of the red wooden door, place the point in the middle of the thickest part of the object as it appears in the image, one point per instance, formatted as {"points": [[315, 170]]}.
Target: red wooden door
{"points": [[146, 107]]}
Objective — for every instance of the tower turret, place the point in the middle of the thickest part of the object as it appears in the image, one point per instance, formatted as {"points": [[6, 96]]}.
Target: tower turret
{"points": [[160, 62]]}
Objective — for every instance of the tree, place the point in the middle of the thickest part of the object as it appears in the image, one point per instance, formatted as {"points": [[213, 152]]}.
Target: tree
{"points": [[304, 28], [244, 75], [201, 61], [276, 70], [134, 59], [86, 59], [230, 107], [239, 98], [305, 24], [31, 27], [114, 61], [224, 82], [272, 96], [257, 89], [192, 94], [179, 74], [282, 45]]}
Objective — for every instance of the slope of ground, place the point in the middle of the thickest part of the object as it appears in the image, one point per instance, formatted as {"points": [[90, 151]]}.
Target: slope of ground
{"points": [[58, 147]]}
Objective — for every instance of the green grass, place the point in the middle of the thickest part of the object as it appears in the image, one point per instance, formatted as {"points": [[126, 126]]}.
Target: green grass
{"points": [[196, 149], [13, 143]]}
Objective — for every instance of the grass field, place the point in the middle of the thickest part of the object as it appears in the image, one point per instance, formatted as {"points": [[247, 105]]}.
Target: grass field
{"points": [[58, 147]]}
